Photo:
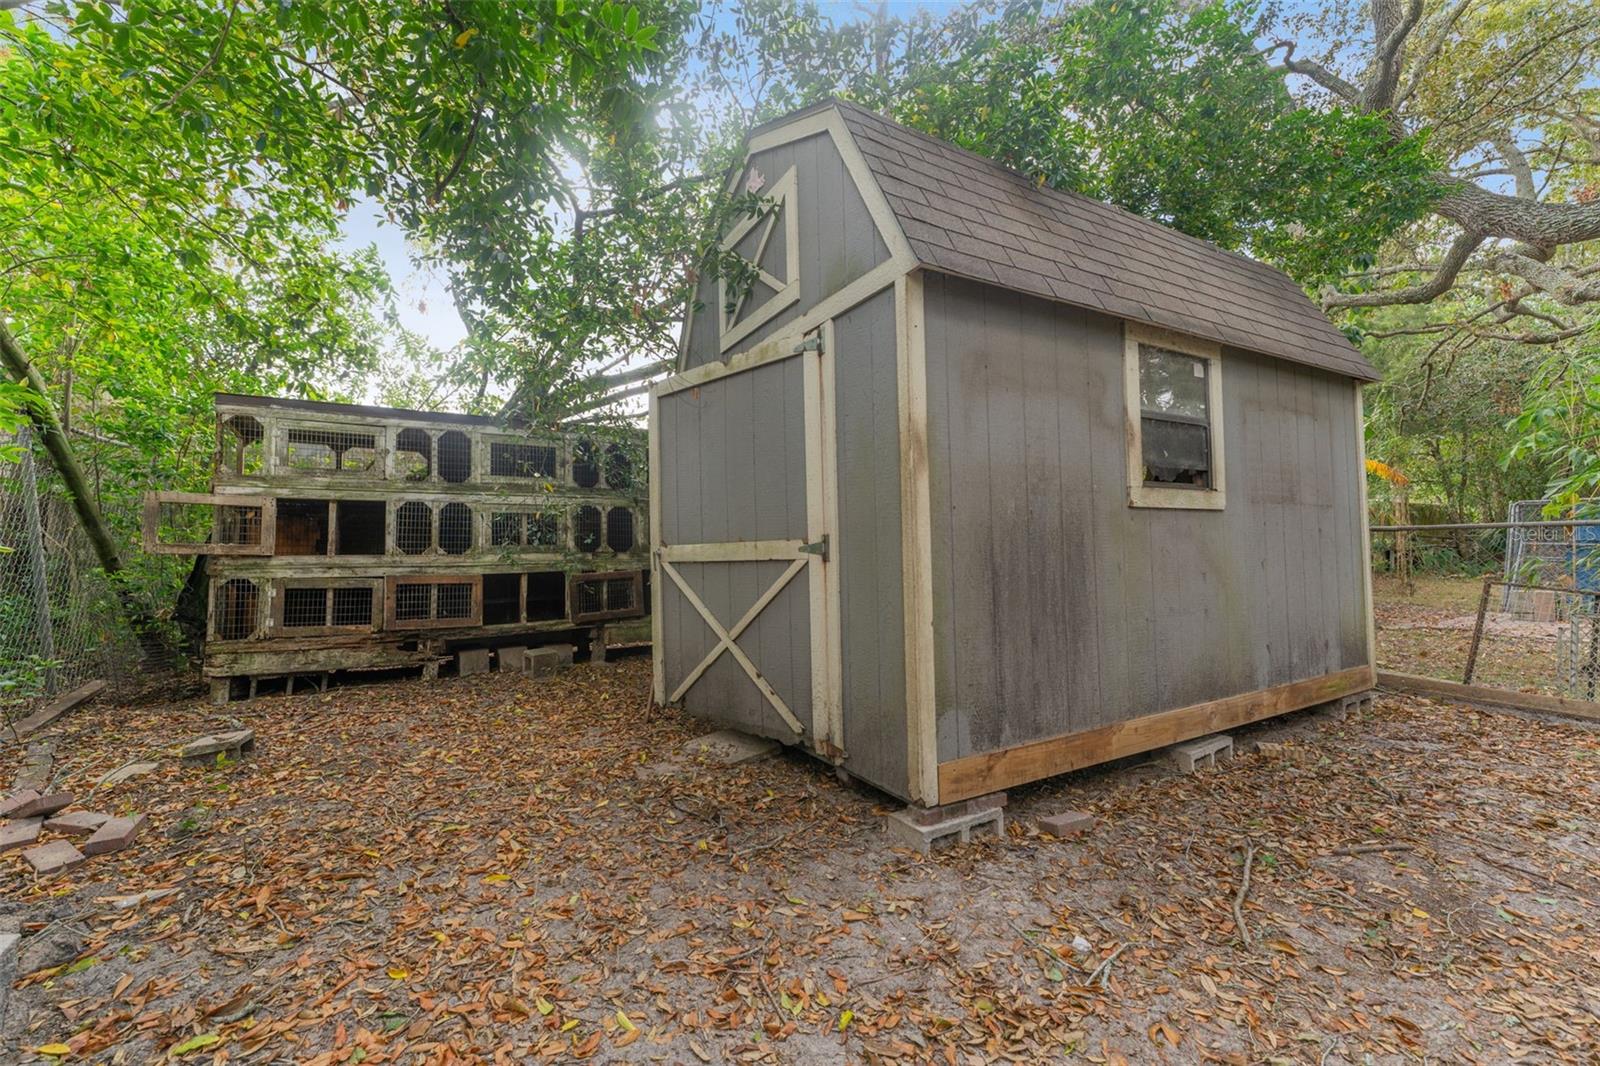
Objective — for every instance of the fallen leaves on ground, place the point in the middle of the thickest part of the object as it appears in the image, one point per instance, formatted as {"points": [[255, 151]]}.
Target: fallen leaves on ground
{"points": [[476, 871]]}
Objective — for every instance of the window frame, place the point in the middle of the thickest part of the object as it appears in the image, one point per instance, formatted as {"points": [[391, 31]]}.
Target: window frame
{"points": [[1140, 493]]}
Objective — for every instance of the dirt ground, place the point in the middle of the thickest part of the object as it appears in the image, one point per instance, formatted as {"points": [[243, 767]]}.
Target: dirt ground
{"points": [[475, 870], [1428, 632]]}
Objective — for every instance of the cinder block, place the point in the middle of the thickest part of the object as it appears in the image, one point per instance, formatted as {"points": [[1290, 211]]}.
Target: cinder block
{"points": [[52, 858], [1066, 824], [128, 770], [512, 660], [927, 816], [234, 743], [921, 828], [77, 823], [1360, 703], [472, 661], [1204, 752], [548, 659], [19, 833], [114, 835]]}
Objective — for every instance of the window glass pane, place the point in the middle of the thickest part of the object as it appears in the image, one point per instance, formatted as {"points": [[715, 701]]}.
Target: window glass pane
{"points": [[1176, 453], [1171, 383]]}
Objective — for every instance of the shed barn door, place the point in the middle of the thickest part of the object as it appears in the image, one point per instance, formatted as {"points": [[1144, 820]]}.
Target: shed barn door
{"points": [[745, 634]]}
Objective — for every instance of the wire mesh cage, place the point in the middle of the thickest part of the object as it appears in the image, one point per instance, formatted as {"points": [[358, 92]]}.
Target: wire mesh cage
{"points": [[336, 450], [60, 622], [1509, 605]]}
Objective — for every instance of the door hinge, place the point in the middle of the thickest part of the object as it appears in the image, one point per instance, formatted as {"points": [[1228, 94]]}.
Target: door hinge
{"points": [[819, 547], [812, 343]]}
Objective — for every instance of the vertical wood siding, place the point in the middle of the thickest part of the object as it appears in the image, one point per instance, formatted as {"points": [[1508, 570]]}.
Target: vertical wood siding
{"points": [[733, 468], [838, 241], [871, 603], [1057, 607]]}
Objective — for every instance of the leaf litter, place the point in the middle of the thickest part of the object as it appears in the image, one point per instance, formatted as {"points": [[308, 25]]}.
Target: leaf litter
{"points": [[476, 870]]}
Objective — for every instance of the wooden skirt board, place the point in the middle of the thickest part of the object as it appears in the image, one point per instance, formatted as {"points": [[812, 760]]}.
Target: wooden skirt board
{"points": [[976, 775]]}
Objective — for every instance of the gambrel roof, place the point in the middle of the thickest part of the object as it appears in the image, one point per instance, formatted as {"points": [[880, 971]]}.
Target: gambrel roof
{"points": [[965, 215]]}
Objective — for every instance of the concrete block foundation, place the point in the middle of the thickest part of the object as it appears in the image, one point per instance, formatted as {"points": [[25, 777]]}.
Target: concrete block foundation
{"points": [[472, 661], [920, 828], [1203, 753], [547, 660]]}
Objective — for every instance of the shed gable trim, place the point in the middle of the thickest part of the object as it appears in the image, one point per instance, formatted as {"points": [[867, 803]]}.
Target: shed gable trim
{"points": [[901, 259], [784, 209]]}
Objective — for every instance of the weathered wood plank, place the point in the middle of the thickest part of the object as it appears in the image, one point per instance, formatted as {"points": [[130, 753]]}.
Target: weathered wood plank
{"points": [[1489, 697], [976, 775], [56, 708]]}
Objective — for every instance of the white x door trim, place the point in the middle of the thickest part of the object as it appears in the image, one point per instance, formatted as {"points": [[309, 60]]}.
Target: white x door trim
{"points": [[727, 638]]}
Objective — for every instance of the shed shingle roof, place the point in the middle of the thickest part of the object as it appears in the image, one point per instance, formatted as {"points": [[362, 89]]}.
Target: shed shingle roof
{"points": [[969, 216]]}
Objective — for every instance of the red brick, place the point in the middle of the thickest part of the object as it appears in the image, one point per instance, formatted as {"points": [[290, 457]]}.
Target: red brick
{"points": [[16, 801], [44, 805], [52, 858], [77, 823], [1067, 824], [18, 833], [116, 834]]}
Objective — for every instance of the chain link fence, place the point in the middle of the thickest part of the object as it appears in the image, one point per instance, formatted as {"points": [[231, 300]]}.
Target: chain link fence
{"points": [[59, 619], [1512, 605]]}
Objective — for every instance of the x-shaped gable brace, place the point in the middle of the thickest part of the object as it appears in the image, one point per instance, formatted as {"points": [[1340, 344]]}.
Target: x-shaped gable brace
{"points": [[783, 209]]}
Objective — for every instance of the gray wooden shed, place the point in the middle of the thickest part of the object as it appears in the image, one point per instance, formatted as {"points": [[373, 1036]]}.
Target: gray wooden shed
{"points": [[978, 482]]}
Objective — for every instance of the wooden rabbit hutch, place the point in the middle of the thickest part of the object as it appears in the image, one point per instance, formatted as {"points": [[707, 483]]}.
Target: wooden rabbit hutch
{"points": [[343, 538], [966, 482]]}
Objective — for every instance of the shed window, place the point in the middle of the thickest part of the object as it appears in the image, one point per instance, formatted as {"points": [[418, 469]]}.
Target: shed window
{"points": [[619, 529], [502, 599], [352, 606], [619, 468], [423, 602], [547, 596], [359, 526], [1174, 400], [1176, 422]]}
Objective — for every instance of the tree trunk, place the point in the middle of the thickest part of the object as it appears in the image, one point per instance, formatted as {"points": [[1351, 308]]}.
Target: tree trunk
{"points": [[93, 522]]}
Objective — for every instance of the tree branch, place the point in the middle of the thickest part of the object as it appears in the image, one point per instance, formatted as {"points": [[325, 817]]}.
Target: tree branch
{"points": [[211, 60], [1391, 27], [1454, 259], [1438, 31], [1497, 215], [461, 157], [1560, 285], [1517, 164], [1316, 72]]}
